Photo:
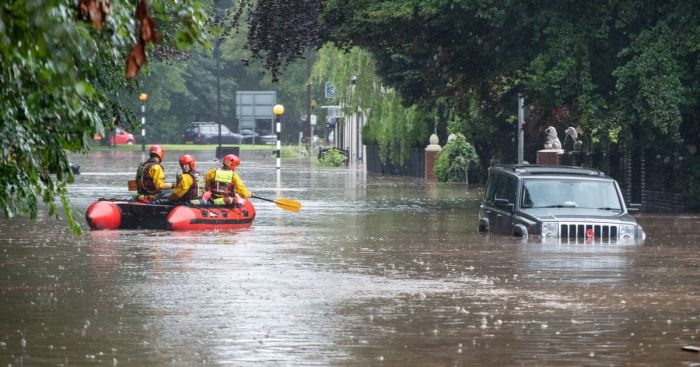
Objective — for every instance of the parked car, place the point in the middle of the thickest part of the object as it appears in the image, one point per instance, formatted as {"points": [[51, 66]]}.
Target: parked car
{"points": [[266, 138], [122, 137], [247, 136], [208, 133], [555, 201], [251, 137]]}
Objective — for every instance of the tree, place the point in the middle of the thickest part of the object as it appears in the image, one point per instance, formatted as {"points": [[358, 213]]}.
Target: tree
{"points": [[391, 125], [183, 89], [618, 67], [60, 63]]}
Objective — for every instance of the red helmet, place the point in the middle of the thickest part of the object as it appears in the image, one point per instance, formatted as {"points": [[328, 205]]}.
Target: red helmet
{"points": [[187, 161], [157, 150], [231, 161]]}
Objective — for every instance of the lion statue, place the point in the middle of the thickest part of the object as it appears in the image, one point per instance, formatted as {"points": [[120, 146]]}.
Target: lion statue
{"points": [[570, 141], [552, 141]]}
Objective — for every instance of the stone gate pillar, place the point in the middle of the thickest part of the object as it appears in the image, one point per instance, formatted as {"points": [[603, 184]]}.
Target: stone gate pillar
{"points": [[550, 156], [431, 153]]}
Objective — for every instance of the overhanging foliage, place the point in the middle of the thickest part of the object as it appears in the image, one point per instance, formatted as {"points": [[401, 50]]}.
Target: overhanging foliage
{"points": [[59, 68], [388, 122]]}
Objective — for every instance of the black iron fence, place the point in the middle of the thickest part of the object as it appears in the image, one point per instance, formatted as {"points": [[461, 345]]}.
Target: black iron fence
{"points": [[651, 180], [414, 166]]}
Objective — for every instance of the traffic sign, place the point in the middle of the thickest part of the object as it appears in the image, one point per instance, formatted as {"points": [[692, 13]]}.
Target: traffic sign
{"points": [[329, 90]]}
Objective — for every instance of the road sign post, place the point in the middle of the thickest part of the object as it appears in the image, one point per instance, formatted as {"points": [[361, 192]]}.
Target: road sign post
{"points": [[329, 90], [252, 106]]}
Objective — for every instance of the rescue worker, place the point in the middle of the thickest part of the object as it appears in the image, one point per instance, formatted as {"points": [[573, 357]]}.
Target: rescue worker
{"points": [[150, 177], [190, 183], [225, 184]]}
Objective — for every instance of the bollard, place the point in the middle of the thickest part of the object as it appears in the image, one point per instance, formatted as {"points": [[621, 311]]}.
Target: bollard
{"points": [[143, 97], [278, 110]]}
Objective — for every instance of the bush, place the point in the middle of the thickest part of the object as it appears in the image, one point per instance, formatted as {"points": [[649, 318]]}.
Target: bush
{"points": [[369, 135], [453, 161], [293, 151], [332, 158]]}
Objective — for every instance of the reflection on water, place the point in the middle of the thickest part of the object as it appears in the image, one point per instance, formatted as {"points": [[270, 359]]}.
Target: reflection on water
{"points": [[372, 271]]}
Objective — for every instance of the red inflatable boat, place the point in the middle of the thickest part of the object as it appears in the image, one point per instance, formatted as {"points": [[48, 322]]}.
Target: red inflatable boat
{"points": [[122, 214]]}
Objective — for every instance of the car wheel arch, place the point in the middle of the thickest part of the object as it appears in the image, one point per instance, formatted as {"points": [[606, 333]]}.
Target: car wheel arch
{"points": [[520, 230], [484, 225]]}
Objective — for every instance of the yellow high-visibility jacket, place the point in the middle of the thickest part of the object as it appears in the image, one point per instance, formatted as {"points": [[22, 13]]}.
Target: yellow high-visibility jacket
{"points": [[158, 175], [155, 176], [238, 185], [189, 186]]}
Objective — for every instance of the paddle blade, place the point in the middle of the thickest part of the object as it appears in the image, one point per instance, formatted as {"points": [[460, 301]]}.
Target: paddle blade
{"points": [[288, 204]]}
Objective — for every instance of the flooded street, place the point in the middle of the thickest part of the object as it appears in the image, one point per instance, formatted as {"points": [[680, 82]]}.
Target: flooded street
{"points": [[372, 271]]}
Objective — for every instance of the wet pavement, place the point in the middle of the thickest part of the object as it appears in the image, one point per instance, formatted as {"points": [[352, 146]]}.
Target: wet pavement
{"points": [[374, 270]]}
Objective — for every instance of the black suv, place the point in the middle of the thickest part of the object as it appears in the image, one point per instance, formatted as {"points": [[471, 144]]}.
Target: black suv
{"points": [[208, 133], [556, 201]]}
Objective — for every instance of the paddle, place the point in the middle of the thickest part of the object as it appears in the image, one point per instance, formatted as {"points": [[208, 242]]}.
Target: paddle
{"points": [[285, 204]]}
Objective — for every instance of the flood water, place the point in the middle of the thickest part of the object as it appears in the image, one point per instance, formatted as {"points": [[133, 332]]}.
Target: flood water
{"points": [[378, 271]]}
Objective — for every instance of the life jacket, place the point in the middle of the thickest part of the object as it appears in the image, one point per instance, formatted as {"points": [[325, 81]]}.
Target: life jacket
{"points": [[197, 189], [144, 181], [223, 183]]}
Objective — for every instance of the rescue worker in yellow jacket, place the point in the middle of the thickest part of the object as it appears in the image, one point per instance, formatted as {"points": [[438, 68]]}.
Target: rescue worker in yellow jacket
{"points": [[224, 183], [150, 177], [190, 183]]}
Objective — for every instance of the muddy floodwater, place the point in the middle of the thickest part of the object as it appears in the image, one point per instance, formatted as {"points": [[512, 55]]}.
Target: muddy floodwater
{"points": [[373, 271]]}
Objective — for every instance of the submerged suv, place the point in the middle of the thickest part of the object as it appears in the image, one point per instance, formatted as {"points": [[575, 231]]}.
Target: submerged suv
{"points": [[555, 201]]}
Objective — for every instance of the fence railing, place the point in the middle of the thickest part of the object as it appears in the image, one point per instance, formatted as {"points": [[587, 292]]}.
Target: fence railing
{"points": [[655, 180], [414, 165]]}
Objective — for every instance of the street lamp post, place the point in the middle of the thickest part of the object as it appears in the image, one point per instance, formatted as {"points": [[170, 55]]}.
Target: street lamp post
{"points": [[521, 132], [278, 110], [356, 121], [217, 52], [142, 97], [308, 131], [312, 119]]}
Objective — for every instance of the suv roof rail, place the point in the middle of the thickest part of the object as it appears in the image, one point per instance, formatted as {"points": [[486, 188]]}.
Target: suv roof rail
{"points": [[534, 169]]}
